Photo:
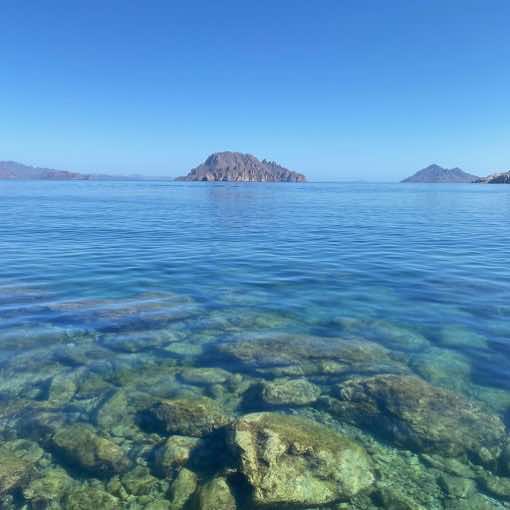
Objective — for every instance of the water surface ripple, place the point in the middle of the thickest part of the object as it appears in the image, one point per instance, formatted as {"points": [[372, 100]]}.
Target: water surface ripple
{"points": [[162, 291]]}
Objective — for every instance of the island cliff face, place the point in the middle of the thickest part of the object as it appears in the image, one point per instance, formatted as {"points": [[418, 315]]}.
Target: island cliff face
{"points": [[436, 173], [234, 166], [498, 178]]}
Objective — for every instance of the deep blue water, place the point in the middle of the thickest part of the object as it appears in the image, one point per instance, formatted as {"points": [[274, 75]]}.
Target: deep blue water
{"points": [[108, 258]]}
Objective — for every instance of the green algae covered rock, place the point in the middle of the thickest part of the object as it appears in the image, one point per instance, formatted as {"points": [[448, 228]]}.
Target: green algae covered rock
{"points": [[289, 392], [189, 417], [285, 354], [116, 416], [174, 454], [294, 461], [182, 488], [204, 375], [422, 417], [15, 471], [216, 495], [90, 498], [49, 489], [79, 444], [139, 481]]}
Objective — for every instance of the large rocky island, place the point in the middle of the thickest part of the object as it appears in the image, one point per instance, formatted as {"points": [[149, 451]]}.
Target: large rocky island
{"points": [[438, 174], [235, 166]]}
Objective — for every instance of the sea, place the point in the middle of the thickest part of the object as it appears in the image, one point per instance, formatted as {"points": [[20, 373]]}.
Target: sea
{"points": [[380, 312]]}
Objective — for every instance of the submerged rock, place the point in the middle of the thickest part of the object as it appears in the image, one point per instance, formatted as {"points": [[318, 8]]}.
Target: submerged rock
{"points": [[139, 481], [189, 417], [174, 453], [91, 498], [47, 491], [289, 392], [15, 471], [443, 367], [62, 389], [216, 495], [287, 354], [294, 461], [397, 337], [204, 375], [461, 337], [115, 414], [182, 488], [136, 341], [80, 445], [419, 416]]}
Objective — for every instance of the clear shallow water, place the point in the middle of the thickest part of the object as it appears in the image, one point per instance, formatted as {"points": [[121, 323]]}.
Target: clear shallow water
{"points": [[133, 289]]}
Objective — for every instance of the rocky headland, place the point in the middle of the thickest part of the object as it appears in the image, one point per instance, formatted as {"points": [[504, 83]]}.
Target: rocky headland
{"points": [[238, 167]]}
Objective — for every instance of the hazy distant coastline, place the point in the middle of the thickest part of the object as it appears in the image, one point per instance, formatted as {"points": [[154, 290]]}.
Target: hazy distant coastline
{"points": [[15, 171]]}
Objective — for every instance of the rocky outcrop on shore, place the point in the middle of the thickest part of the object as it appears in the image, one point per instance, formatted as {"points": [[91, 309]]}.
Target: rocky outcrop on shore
{"points": [[497, 178], [234, 166]]}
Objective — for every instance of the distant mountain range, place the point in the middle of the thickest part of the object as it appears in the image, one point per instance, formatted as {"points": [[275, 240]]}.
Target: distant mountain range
{"points": [[238, 167], [12, 170], [436, 173]]}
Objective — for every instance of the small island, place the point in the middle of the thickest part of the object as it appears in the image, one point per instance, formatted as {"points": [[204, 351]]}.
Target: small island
{"points": [[438, 174], [238, 167]]}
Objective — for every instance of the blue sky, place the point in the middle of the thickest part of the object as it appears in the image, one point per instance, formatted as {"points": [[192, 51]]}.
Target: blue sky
{"points": [[337, 89]]}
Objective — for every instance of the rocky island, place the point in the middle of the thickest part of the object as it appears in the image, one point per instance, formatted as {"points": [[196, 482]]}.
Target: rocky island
{"points": [[235, 166], [497, 178], [438, 174]]}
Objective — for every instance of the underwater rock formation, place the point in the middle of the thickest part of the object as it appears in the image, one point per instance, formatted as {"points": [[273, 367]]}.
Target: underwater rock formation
{"points": [[189, 417], [79, 444], [420, 416], [216, 495], [15, 471], [294, 461], [288, 392], [285, 354]]}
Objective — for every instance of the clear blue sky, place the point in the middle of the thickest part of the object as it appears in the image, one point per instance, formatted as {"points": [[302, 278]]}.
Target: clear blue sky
{"points": [[337, 89]]}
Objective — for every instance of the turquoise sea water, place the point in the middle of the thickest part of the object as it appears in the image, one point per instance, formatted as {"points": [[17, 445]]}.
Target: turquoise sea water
{"points": [[117, 296]]}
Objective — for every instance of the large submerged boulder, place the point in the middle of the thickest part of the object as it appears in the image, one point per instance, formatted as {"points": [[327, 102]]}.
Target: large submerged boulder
{"points": [[216, 495], [79, 445], [285, 391], [194, 417], [286, 354], [290, 460], [15, 471], [422, 417]]}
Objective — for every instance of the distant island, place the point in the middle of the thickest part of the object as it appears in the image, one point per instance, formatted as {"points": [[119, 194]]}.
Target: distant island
{"points": [[438, 174], [14, 171], [238, 167], [497, 178]]}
